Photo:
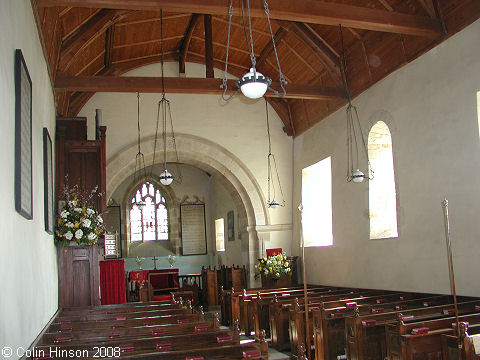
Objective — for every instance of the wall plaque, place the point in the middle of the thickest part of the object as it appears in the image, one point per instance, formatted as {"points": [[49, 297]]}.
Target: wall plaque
{"points": [[194, 238]]}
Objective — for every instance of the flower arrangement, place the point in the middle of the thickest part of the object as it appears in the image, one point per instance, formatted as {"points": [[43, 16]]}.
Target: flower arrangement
{"points": [[139, 261], [76, 221], [171, 260], [274, 266]]}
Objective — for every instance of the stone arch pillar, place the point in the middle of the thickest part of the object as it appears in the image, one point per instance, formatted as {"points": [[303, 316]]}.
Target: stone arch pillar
{"points": [[213, 159]]}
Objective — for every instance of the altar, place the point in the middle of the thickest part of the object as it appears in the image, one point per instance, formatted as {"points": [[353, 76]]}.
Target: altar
{"points": [[162, 281]]}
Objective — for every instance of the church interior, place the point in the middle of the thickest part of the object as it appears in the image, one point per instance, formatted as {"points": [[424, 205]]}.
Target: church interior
{"points": [[240, 179]]}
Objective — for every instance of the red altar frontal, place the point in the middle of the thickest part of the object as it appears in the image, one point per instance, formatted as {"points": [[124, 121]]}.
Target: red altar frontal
{"points": [[160, 279]]}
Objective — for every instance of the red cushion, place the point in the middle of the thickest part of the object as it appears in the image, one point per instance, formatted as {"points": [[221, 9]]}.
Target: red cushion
{"points": [[162, 298]]}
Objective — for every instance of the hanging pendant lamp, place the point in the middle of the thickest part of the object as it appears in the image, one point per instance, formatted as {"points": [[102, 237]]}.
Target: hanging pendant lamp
{"points": [[164, 111], [140, 171], [353, 129], [272, 171], [253, 84]]}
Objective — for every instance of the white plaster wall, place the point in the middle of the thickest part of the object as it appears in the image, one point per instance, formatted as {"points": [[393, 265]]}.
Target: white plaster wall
{"points": [[28, 261], [430, 107], [223, 203], [239, 126]]}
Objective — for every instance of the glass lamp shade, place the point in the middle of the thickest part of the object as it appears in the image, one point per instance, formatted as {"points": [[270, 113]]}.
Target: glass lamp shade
{"points": [[166, 178], [273, 204], [358, 176], [252, 86]]}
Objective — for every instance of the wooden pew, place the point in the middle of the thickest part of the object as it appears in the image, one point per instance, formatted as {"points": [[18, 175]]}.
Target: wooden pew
{"points": [[365, 332], [453, 349], [230, 300], [328, 318], [103, 334], [334, 326], [139, 345], [119, 308], [145, 321], [243, 305], [207, 343], [287, 327], [411, 339]]}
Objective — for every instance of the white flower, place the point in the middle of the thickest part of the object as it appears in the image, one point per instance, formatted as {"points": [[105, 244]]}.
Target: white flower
{"points": [[90, 211], [78, 234], [69, 224], [79, 210], [64, 214], [72, 203], [86, 223], [99, 219], [68, 235], [92, 236]]}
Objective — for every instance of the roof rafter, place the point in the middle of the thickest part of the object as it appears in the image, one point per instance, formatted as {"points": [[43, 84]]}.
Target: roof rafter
{"points": [[267, 50], [300, 10], [181, 86], [86, 34], [183, 48], [323, 52]]}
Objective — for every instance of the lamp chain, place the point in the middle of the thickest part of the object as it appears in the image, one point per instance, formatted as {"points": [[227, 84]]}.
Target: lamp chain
{"points": [[280, 74], [352, 119], [224, 82], [250, 47], [139, 158], [161, 52]]}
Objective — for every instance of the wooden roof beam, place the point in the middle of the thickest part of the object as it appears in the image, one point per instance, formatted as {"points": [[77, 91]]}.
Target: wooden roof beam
{"points": [[306, 11], [109, 37], [182, 86], [267, 50], [207, 25], [318, 46], [428, 6], [183, 48], [85, 34]]}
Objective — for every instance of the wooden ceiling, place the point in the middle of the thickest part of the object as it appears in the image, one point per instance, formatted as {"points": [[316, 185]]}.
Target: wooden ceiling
{"points": [[89, 43]]}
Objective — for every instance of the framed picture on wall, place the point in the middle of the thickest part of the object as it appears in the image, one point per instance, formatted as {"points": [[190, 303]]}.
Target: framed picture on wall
{"points": [[23, 138], [48, 182], [230, 226]]}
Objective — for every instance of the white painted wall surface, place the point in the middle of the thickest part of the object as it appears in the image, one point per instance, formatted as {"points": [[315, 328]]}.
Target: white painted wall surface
{"points": [[28, 260], [430, 107]]}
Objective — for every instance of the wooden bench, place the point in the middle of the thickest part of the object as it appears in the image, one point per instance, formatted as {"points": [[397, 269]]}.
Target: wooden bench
{"points": [[410, 339], [242, 305], [453, 349], [328, 319], [287, 327], [365, 332]]}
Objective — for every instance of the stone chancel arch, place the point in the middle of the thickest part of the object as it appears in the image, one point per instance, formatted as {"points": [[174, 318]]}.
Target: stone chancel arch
{"points": [[211, 158]]}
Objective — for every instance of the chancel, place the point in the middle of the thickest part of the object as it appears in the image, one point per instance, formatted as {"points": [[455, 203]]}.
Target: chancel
{"points": [[142, 217]]}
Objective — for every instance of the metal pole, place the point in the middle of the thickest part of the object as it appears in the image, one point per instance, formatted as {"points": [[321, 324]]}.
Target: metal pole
{"points": [[450, 267], [305, 293]]}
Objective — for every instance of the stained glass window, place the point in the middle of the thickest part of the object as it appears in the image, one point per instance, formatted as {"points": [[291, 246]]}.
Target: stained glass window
{"points": [[148, 222]]}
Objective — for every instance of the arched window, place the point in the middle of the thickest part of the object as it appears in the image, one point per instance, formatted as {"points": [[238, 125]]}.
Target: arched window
{"points": [[151, 221], [381, 190]]}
